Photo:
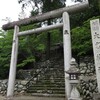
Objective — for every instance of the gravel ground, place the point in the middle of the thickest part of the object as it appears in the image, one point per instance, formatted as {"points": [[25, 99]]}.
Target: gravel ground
{"points": [[33, 98]]}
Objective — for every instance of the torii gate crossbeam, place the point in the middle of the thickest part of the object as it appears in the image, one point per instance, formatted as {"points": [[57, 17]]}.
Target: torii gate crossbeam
{"points": [[49, 15]]}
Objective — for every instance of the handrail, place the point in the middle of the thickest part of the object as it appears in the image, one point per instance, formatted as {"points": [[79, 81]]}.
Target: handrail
{"points": [[37, 74]]}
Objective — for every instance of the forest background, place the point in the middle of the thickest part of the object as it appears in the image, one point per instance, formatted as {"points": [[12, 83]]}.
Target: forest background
{"points": [[31, 48]]}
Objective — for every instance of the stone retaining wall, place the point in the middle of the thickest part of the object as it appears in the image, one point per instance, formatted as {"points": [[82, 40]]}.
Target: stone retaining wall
{"points": [[88, 83], [20, 86]]}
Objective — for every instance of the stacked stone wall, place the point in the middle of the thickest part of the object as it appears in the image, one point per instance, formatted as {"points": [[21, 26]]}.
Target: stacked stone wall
{"points": [[20, 87], [88, 82]]}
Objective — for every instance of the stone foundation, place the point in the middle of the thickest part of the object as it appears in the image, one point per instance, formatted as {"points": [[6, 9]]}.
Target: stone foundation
{"points": [[88, 82], [20, 86]]}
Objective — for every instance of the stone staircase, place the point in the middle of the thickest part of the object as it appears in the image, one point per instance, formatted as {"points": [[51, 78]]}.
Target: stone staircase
{"points": [[49, 81]]}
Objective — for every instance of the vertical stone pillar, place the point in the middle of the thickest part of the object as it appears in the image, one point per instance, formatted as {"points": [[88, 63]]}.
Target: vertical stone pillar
{"points": [[95, 33], [12, 73], [67, 51]]}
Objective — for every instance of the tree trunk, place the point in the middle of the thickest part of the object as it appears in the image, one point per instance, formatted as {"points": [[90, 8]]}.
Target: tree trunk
{"points": [[48, 42]]}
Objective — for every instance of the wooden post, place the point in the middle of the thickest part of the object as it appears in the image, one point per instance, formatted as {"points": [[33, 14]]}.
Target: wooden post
{"points": [[95, 32], [67, 51], [12, 73]]}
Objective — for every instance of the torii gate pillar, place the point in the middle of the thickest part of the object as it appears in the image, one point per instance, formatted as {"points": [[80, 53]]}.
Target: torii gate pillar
{"points": [[67, 51], [12, 73], [66, 40]]}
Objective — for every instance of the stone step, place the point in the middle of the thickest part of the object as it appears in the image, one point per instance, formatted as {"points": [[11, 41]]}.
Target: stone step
{"points": [[48, 95], [55, 75], [57, 69], [46, 88], [53, 72], [44, 85], [47, 91], [49, 75], [49, 86], [48, 83], [52, 80], [50, 69], [55, 78]]}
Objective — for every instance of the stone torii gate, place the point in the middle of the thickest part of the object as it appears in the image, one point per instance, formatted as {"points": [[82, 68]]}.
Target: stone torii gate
{"points": [[64, 12]]}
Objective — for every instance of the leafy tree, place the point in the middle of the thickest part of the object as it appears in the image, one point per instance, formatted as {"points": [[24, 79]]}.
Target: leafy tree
{"points": [[32, 47], [45, 5], [35, 44], [79, 18], [5, 53], [81, 39]]}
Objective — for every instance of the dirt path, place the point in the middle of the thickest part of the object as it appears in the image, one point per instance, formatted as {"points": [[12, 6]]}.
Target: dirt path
{"points": [[34, 98]]}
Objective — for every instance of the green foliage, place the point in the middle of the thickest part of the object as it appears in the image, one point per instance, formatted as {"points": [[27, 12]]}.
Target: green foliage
{"points": [[46, 5], [81, 39], [32, 47], [56, 36], [5, 49], [26, 61], [5, 53], [55, 4], [93, 10]]}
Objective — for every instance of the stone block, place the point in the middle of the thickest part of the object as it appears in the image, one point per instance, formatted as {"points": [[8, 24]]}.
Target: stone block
{"points": [[97, 96], [74, 99]]}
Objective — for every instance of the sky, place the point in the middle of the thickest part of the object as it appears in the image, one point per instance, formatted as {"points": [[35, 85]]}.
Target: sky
{"points": [[11, 9]]}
